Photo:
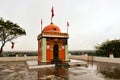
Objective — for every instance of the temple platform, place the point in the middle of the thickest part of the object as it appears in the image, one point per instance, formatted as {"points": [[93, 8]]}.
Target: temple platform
{"points": [[33, 64]]}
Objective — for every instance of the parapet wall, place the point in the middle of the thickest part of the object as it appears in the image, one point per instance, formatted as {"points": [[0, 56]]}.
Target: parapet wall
{"points": [[94, 58], [18, 58], [79, 57]]}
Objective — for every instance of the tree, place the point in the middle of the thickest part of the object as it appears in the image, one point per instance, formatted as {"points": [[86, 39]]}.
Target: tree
{"points": [[109, 46], [9, 31]]}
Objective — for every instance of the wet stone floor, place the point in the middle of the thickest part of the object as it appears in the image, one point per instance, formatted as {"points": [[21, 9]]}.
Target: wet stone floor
{"points": [[94, 71], [14, 71]]}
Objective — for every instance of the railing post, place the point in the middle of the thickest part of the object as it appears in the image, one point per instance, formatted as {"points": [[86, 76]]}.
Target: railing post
{"points": [[17, 55], [86, 54], [69, 54], [25, 55], [111, 55]]}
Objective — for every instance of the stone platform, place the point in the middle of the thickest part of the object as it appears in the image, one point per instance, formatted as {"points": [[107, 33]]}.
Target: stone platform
{"points": [[33, 64]]}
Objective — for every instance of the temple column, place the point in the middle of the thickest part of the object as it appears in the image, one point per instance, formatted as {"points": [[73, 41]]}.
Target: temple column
{"points": [[43, 49]]}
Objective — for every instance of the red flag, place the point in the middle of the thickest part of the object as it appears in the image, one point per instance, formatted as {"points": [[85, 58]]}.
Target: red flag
{"points": [[1, 50], [12, 45], [41, 22], [52, 10], [68, 24]]}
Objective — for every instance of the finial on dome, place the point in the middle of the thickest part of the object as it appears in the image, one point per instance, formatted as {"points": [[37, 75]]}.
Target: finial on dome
{"points": [[51, 22]]}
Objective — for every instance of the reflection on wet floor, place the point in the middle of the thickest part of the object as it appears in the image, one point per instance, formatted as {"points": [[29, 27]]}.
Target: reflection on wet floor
{"points": [[110, 71], [53, 74], [94, 71], [12, 70]]}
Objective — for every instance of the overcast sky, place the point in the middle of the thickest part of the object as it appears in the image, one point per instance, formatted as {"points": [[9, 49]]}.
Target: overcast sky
{"points": [[91, 21]]}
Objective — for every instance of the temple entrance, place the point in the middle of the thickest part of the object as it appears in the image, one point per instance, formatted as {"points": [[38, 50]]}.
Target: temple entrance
{"points": [[55, 51], [56, 58]]}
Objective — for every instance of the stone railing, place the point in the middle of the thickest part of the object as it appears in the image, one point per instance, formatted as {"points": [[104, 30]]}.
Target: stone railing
{"points": [[18, 58], [25, 55], [110, 59]]}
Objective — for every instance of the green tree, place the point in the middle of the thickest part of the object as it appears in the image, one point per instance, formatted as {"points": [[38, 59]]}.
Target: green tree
{"points": [[9, 31], [109, 46]]}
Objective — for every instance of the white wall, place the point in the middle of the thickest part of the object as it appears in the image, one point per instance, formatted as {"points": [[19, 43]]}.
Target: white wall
{"points": [[94, 58], [18, 58]]}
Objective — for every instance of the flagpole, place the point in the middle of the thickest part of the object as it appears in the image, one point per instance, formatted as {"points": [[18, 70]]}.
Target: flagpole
{"points": [[67, 26], [51, 19], [67, 29], [41, 25]]}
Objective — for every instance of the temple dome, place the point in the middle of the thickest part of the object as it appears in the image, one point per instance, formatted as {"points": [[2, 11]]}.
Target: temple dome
{"points": [[52, 28]]}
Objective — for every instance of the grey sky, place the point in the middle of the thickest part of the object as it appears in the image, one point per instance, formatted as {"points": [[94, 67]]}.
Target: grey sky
{"points": [[91, 21]]}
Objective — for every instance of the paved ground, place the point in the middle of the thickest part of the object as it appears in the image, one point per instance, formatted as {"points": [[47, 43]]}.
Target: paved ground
{"points": [[18, 70], [15, 71]]}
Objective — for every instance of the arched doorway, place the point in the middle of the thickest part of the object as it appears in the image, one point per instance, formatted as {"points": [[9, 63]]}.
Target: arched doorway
{"points": [[55, 51]]}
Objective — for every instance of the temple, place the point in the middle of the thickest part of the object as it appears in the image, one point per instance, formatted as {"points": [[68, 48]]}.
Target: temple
{"points": [[52, 45]]}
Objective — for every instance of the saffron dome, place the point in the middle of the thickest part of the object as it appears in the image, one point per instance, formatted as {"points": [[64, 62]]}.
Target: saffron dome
{"points": [[52, 28]]}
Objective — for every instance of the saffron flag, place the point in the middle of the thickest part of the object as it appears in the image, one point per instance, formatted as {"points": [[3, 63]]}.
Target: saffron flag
{"points": [[1, 50], [52, 10], [68, 24], [12, 45]]}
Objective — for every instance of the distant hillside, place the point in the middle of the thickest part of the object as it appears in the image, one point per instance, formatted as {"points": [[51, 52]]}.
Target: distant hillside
{"points": [[20, 53]]}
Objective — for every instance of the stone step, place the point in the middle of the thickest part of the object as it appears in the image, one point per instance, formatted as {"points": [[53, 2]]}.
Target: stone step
{"points": [[41, 66]]}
